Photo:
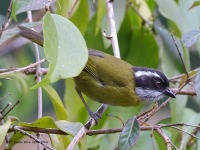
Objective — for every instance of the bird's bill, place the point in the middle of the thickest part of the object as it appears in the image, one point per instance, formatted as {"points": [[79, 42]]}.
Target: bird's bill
{"points": [[168, 92]]}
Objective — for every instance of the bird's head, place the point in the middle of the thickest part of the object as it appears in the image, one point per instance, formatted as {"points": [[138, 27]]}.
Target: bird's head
{"points": [[151, 84]]}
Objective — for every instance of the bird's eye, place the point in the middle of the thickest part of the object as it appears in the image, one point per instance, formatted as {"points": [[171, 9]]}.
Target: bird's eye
{"points": [[158, 84]]}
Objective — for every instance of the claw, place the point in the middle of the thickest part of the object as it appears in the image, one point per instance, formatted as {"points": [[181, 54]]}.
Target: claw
{"points": [[95, 116]]}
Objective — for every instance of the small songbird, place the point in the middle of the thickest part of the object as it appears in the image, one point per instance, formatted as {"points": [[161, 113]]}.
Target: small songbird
{"points": [[109, 80]]}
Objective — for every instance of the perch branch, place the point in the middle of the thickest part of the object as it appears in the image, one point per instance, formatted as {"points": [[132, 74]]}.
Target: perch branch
{"points": [[32, 137]]}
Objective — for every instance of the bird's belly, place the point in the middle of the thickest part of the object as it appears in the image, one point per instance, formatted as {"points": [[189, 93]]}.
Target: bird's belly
{"points": [[111, 95]]}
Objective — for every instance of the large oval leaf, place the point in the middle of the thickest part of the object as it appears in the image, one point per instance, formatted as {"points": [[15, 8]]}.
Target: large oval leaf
{"points": [[64, 48], [129, 135]]}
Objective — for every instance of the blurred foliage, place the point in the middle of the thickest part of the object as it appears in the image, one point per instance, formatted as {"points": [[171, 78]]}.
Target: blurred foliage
{"points": [[141, 44]]}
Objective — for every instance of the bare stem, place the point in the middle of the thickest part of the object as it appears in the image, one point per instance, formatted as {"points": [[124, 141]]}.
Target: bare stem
{"points": [[10, 110], [6, 22], [2, 110], [180, 56], [72, 8], [112, 28], [32, 137], [165, 137], [23, 68], [38, 74]]}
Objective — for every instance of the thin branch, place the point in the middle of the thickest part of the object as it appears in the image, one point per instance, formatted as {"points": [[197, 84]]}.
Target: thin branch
{"points": [[32, 137], [47, 6], [38, 75], [168, 100], [88, 132], [152, 140], [3, 109], [143, 19], [82, 132], [180, 76], [184, 92], [72, 8], [180, 56], [10, 110], [165, 137], [185, 132], [6, 22], [5, 97], [28, 71], [23, 68], [112, 28]]}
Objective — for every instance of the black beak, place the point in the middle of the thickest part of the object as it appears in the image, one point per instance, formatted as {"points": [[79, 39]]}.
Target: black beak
{"points": [[169, 93]]}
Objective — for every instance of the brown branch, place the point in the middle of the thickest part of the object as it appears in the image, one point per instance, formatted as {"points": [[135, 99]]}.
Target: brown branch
{"points": [[89, 132], [6, 22], [184, 92], [180, 57], [165, 137], [143, 19], [10, 110], [23, 68], [168, 100], [72, 8], [185, 132], [95, 132], [3, 109], [179, 76], [32, 137]]}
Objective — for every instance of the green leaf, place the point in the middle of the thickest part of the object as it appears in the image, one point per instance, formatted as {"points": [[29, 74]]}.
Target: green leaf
{"points": [[90, 36], [64, 48], [195, 4], [190, 38], [140, 50], [185, 20], [57, 142], [59, 109], [81, 15], [71, 128], [62, 7], [16, 138], [19, 6], [11, 33], [197, 84], [5, 127], [129, 135], [44, 122], [177, 107]]}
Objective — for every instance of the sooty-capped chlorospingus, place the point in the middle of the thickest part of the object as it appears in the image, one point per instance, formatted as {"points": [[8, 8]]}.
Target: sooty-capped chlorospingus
{"points": [[109, 80]]}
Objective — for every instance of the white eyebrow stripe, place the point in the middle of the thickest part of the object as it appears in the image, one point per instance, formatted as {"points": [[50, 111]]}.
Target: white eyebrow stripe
{"points": [[147, 73]]}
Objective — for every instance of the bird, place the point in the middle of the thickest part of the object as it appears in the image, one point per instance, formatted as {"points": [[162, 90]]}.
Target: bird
{"points": [[110, 80]]}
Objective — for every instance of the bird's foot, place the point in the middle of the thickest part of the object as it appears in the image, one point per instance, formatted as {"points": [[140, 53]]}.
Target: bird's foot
{"points": [[95, 116]]}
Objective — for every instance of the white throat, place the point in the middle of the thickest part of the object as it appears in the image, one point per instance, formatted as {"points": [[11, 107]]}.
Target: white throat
{"points": [[149, 95]]}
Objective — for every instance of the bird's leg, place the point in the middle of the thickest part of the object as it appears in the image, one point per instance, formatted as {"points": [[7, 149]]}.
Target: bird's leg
{"points": [[95, 116]]}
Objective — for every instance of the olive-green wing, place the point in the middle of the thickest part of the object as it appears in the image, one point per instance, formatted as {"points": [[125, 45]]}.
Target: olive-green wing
{"points": [[106, 69]]}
